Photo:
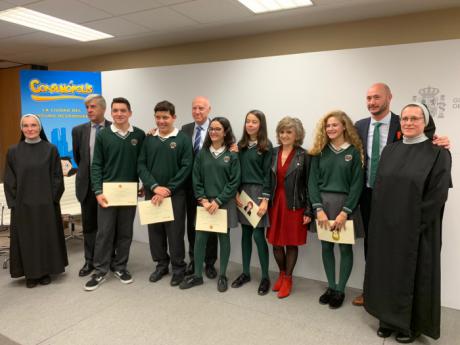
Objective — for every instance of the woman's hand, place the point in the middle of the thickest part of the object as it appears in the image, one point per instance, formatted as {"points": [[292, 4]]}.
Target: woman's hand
{"points": [[234, 148], [339, 222], [263, 208], [157, 199], [306, 220], [323, 221], [238, 200]]}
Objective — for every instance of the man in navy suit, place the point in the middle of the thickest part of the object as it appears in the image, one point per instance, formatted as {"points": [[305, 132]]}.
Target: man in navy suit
{"points": [[83, 139], [387, 124]]}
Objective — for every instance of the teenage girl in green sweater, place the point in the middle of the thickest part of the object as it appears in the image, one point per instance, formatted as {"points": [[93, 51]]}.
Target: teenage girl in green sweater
{"points": [[255, 152], [216, 178], [335, 184]]}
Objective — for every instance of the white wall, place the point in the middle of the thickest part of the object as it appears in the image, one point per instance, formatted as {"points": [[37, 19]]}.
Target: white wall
{"points": [[307, 86]]}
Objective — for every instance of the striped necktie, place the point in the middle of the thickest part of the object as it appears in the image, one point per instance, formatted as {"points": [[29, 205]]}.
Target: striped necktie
{"points": [[196, 143], [375, 158]]}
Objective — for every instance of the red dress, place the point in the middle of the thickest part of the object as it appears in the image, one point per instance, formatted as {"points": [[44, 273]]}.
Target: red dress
{"points": [[286, 228]]}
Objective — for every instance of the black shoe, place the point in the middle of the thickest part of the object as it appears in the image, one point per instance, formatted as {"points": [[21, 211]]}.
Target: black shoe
{"points": [[124, 276], [31, 283], [222, 284], [86, 270], [158, 274], [241, 280], [325, 298], [45, 280], [96, 280], [177, 278], [190, 282], [190, 268], [264, 286], [406, 339], [383, 332], [336, 300], [210, 271]]}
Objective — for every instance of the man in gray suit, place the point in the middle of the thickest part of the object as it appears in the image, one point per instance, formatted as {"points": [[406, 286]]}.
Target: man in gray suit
{"points": [[197, 131], [83, 139]]}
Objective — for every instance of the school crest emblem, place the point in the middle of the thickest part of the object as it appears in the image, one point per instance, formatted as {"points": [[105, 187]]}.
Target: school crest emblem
{"points": [[348, 158], [173, 145], [134, 142], [227, 159]]}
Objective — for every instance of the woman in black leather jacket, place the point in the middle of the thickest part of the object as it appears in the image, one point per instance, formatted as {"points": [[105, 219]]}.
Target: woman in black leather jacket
{"points": [[290, 211]]}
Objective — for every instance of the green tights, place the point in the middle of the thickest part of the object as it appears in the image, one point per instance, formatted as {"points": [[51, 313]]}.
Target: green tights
{"points": [[262, 248], [346, 264], [201, 239]]}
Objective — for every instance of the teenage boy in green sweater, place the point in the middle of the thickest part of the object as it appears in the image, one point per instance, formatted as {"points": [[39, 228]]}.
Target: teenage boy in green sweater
{"points": [[164, 164], [115, 160]]}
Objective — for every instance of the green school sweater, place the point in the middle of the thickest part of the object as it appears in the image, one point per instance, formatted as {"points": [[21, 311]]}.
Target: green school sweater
{"points": [[115, 158], [216, 177], [336, 172], [255, 168], [165, 162]]}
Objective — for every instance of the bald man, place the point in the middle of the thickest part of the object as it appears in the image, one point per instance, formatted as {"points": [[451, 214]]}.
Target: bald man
{"points": [[197, 130]]}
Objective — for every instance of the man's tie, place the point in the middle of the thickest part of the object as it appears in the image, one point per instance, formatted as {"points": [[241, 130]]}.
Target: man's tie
{"points": [[375, 153], [196, 143], [98, 128]]}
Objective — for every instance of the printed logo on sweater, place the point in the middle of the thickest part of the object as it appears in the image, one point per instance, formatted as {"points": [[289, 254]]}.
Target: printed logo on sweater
{"points": [[173, 145], [227, 159], [348, 158], [134, 142]]}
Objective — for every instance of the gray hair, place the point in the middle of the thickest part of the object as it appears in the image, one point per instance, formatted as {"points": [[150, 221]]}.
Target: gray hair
{"points": [[98, 98]]}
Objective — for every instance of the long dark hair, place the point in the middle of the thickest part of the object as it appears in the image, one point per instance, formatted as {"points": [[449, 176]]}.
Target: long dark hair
{"points": [[262, 136], [229, 138]]}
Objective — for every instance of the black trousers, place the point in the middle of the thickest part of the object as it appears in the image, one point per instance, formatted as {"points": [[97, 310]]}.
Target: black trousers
{"points": [[89, 223], [365, 206], [211, 247], [114, 235], [170, 234]]}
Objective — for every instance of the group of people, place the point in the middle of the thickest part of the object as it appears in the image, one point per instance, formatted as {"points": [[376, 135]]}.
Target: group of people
{"points": [[392, 164]]}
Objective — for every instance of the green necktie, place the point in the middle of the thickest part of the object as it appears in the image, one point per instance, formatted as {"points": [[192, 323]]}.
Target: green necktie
{"points": [[375, 153]]}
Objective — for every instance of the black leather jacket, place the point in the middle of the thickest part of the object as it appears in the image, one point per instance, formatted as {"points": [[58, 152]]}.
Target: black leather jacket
{"points": [[295, 181]]}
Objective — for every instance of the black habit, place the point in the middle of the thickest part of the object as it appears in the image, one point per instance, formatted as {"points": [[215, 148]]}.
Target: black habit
{"points": [[403, 267], [33, 187]]}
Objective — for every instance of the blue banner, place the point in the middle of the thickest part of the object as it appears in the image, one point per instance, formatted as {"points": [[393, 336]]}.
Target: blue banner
{"points": [[57, 97]]}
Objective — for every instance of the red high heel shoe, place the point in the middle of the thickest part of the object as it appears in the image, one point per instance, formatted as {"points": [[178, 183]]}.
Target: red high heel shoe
{"points": [[286, 287], [279, 281]]}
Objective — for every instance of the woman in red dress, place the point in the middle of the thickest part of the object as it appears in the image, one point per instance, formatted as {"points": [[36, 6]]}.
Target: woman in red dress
{"points": [[290, 211]]}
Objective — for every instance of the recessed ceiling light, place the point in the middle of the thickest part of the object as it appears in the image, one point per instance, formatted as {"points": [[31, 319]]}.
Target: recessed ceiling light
{"points": [[261, 6], [40, 21]]}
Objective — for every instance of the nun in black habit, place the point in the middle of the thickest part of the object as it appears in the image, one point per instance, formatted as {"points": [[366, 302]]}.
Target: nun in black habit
{"points": [[403, 267], [33, 188]]}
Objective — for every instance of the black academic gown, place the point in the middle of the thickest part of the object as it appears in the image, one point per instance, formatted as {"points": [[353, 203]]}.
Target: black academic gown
{"points": [[403, 267], [33, 187]]}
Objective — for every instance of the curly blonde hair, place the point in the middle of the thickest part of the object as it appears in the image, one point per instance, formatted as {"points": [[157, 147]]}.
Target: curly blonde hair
{"points": [[294, 123], [350, 134]]}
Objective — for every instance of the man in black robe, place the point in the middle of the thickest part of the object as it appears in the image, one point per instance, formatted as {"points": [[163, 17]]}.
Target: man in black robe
{"points": [[403, 269]]}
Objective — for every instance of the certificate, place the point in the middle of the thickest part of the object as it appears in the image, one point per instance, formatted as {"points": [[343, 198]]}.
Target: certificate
{"points": [[216, 222], [345, 235], [249, 209], [150, 213], [120, 193]]}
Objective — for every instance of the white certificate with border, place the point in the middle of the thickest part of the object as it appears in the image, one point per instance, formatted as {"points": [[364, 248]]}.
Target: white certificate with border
{"points": [[216, 222], [150, 213], [346, 235], [249, 209], [120, 193]]}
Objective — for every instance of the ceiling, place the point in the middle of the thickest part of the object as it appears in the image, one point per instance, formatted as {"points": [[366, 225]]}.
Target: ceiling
{"points": [[143, 24]]}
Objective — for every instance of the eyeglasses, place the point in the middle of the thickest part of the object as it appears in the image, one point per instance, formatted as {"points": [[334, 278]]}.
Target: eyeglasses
{"points": [[406, 119], [214, 129]]}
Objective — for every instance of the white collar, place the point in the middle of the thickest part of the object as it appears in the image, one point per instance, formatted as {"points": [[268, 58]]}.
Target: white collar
{"points": [[33, 141], [204, 126], [416, 140], [386, 119], [172, 134], [218, 151], [341, 148], [119, 131]]}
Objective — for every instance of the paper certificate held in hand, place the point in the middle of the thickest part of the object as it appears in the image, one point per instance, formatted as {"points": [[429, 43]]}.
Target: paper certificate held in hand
{"points": [[120, 193], [150, 213], [216, 222], [346, 235], [249, 209]]}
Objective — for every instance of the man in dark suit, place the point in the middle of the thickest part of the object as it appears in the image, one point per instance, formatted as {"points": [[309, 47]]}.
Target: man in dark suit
{"points": [[197, 131], [380, 129], [83, 139]]}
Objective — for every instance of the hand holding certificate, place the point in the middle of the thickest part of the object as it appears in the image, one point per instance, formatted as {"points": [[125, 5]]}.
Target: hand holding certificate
{"points": [[346, 235], [249, 209], [150, 213], [120, 193], [216, 222]]}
